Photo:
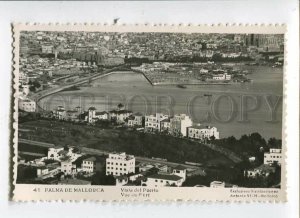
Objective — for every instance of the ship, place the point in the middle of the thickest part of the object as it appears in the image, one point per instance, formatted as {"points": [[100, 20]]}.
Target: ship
{"points": [[181, 86]]}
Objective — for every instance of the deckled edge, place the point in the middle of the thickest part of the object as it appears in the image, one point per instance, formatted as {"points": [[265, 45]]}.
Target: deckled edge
{"points": [[17, 27]]}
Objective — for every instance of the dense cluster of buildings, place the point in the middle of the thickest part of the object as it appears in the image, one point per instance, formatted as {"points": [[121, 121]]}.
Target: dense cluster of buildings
{"points": [[162, 73], [177, 125], [67, 165], [153, 46], [70, 166]]}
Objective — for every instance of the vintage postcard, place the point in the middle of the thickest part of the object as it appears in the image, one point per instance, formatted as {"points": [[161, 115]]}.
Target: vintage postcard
{"points": [[142, 112]]}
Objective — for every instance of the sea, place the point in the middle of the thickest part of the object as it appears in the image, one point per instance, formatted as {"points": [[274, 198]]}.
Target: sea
{"points": [[235, 109]]}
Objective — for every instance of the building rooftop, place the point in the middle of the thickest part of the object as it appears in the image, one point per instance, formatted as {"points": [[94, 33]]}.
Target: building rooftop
{"points": [[179, 167], [165, 177], [166, 120], [101, 113], [201, 127], [75, 182], [92, 109], [90, 159]]}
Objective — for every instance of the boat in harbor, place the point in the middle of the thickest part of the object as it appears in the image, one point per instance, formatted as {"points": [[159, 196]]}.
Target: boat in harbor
{"points": [[181, 86]]}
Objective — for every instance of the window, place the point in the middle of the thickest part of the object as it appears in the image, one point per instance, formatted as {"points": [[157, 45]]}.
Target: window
{"points": [[156, 180], [125, 165], [117, 164]]}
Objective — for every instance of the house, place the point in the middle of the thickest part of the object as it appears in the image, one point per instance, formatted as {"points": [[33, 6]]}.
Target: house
{"points": [[252, 159], [122, 115], [203, 132], [68, 167], [72, 115], [135, 120], [180, 171], [121, 180], [263, 170], [119, 164], [217, 184], [41, 171], [152, 122], [223, 76], [55, 153], [160, 180], [165, 125], [91, 165], [273, 156], [60, 113], [179, 124], [119, 115], [91, 115], [27, 105]]}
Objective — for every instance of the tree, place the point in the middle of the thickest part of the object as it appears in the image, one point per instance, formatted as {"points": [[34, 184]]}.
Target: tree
{"points": [[274, 143], [120, 106]]}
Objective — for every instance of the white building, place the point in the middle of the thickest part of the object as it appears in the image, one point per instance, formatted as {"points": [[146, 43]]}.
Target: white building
{"points": [[135, 120], [47, 49], [203, 132], [180, 171], [161, 180], [93, 116], [68, 167], [55, 153], [118, 164], [60, 113], [217, 184], [41, 171], [223, 76], [120, 115], [274, 156], [152, 122], [263, 170], [91, 165], [27, 105], [179, 123], [25, 89]]}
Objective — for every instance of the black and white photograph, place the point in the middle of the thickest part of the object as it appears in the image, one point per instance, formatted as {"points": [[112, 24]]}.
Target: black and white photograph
{"points": [[150, 109]]}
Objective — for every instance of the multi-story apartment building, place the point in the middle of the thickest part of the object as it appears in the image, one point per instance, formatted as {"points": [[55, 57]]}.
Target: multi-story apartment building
{"points": [[179, 124], [152, 122], [68, 167], [203, 132], [118, 164], [91, 165], [274, 156]]}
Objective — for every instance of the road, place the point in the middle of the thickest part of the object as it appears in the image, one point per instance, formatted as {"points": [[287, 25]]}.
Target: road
{"points": [[42, 94], [101, 152]]}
